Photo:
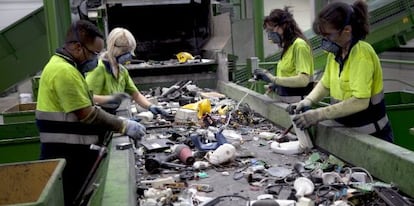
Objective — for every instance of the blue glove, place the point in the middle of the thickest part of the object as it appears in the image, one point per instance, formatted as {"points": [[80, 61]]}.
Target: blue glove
{"points": [[157, 110], [134, 129], [262, 74]]}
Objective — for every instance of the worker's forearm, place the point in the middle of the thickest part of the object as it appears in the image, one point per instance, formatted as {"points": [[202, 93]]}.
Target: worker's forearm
{"points": [[318, 92], [101, 99], [103, 119], [345, 108], [301, 80], [141, 100]]}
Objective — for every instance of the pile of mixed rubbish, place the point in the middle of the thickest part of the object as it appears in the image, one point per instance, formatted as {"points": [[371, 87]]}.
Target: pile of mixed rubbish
{"points": [[212, 150]]}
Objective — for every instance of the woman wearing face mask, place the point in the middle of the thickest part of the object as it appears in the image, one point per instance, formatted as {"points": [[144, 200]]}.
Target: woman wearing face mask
{"points": [[295, 69], [353, 74], [110, 80]]}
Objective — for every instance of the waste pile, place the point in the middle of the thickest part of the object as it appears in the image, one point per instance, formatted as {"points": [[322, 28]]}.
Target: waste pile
{"points": [[212, 150]]}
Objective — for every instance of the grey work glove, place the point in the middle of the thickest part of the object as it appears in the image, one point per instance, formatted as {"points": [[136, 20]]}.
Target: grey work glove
{"points": [[134, 129], [263, 74], [299, 107], [115, 100], [119, 97], [157, 110], [308, 118]]}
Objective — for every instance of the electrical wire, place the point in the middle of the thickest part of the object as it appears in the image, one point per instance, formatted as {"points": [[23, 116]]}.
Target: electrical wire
{"points": [[235, 109]]}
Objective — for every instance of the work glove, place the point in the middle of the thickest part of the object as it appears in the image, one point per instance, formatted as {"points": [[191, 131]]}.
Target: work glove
{"points": [[308, 118], [119, 97], [134, 129], [157, 110], [115, 100], [299, 107], [263, 74], [272, 87]]}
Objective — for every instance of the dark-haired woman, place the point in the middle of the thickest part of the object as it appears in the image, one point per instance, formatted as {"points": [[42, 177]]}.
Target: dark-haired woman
{"points": [[295, 68], [353, 74]]}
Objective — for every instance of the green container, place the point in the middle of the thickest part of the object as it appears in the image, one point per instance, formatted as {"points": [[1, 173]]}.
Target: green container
{"points": [[19, 136], [32, 183], [19, 149], [400, 110], [18, 113]]}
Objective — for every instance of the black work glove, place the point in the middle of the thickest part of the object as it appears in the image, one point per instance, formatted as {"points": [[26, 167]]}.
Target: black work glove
{"points": [[157, 110], [263, 74], [114, 102]]}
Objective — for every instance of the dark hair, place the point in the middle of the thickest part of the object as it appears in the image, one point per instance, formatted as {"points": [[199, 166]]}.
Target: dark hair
{"points": [[340, 14], [83, 31], [283, 18]]}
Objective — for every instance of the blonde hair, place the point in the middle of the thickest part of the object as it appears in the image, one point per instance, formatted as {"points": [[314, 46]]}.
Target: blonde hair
{"points": [[119, 41]]}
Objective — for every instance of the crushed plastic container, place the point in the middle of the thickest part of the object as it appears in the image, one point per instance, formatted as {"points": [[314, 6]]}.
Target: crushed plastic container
{"points": [[32, 183]]}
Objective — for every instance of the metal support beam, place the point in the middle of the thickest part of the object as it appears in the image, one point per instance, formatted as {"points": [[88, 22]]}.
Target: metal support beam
{"points": [[58, 20], [258, 14]]}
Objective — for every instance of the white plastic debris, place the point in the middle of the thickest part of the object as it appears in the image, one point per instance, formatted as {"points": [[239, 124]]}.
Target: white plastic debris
{"points": [[222, 154], [287, 148], [303, 186]]}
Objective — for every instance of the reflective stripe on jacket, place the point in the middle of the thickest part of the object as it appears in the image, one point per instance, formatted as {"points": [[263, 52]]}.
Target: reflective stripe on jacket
{"points": [[60, 127], [370, 120]]}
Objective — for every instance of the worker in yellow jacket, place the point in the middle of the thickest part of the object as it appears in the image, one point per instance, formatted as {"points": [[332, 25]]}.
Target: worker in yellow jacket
{"points": [[353, 74], [66, 117], [294, 79], [110, 80]]}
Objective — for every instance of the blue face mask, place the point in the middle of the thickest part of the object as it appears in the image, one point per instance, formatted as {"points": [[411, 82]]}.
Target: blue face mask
{"points": [[88, 65], [330, 46], [274, 37], [124, 58]]}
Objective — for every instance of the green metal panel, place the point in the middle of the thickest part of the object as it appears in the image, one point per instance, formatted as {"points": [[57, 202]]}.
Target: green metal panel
{"points": [[19, 136], [258, 14], [58, 19], [19, 142], [16, 130], [119, 183], [25, 46], [23, 49], [19, 149], [386, 161], [100, 180], [400, 105]]}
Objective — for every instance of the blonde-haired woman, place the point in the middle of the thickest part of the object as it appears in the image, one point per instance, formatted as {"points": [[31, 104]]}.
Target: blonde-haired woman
{"points": [[110, 80]]}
